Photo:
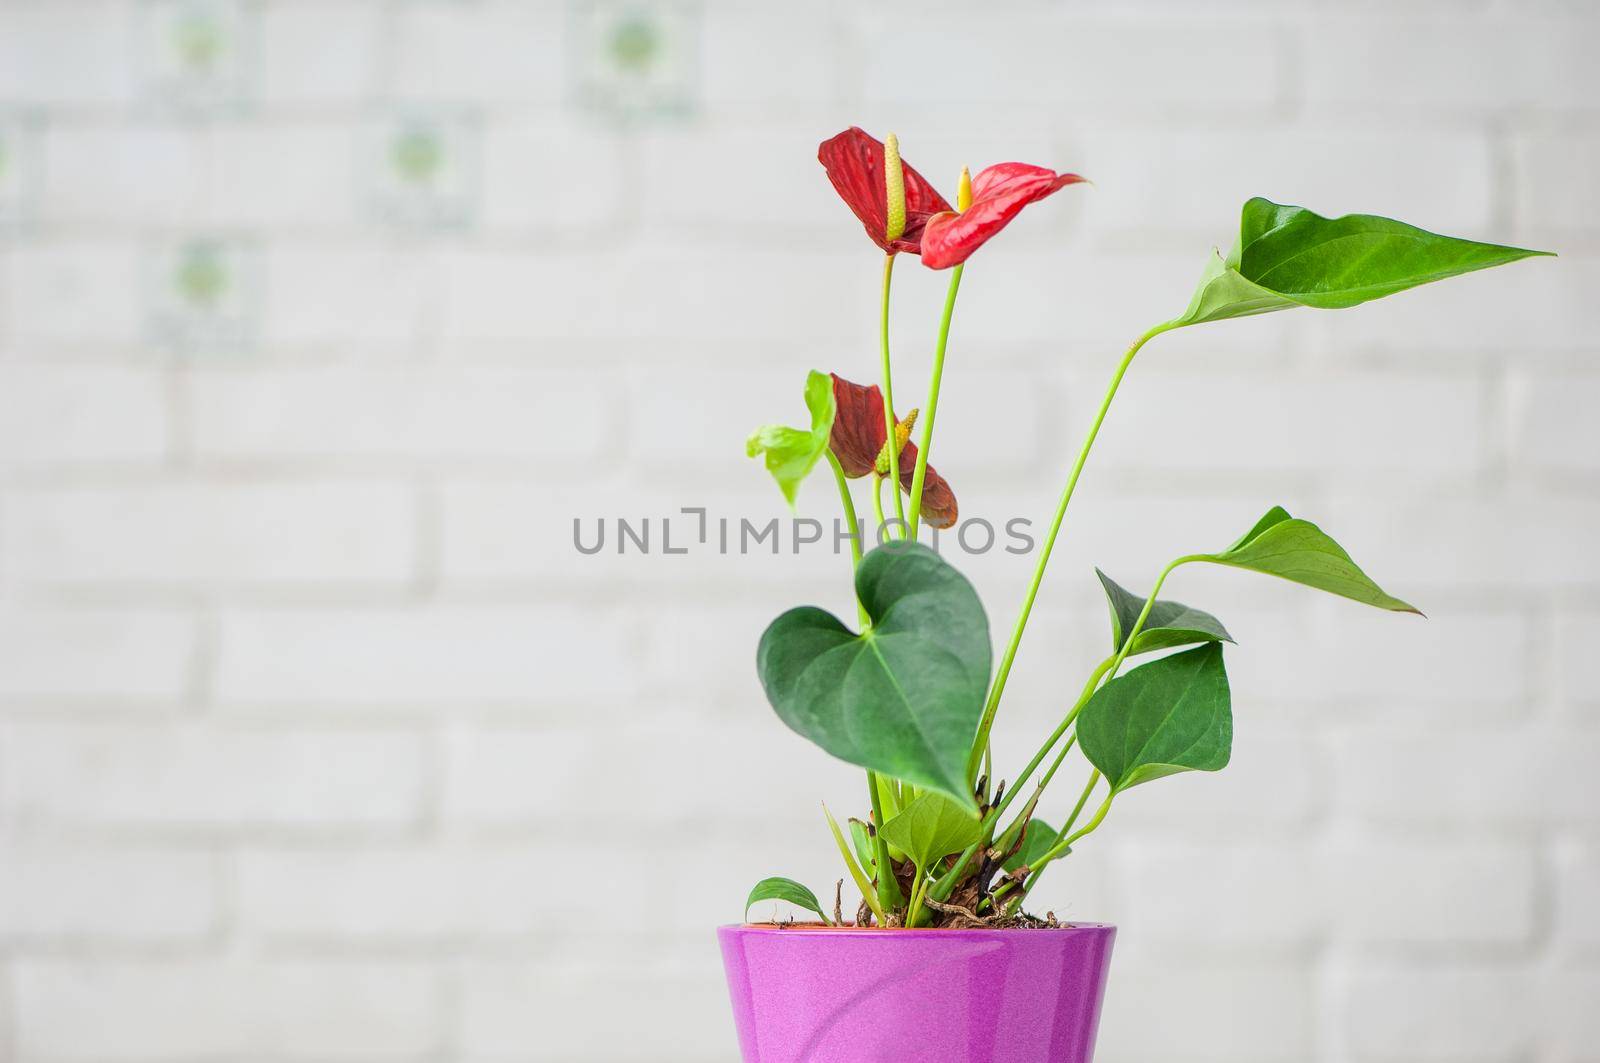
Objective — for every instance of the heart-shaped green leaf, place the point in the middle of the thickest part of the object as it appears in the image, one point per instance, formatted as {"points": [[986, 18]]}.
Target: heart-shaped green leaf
{"points": [[1297, 550], [784, 889], [791, 453], [931, 827], [1037, 838], [1289, 256], [902, 697], [1164, 717], [1169, 623]]}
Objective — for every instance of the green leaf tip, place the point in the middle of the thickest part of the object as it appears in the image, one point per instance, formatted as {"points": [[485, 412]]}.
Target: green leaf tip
{"points": [[791, 453], [1288, 256]]}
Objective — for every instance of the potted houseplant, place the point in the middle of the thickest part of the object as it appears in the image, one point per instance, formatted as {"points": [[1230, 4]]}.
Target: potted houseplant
{"points": [[942, 959]]}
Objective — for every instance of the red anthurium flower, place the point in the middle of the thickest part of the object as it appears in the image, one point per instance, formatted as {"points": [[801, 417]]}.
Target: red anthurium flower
{"points": [[858, 439], [854, 161], [998, 194]]}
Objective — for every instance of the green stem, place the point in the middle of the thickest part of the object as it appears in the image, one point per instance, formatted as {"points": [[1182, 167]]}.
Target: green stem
{"points": [[888, 392], [889, 896], [1066, 843], [992, 706], [919, 889], [887, 888], [1055, 765], [932, 406], [947, 882], [1083, 799], [1107, 669], [1062, 845], [1055, 736], [849, 505], [877, 504]]}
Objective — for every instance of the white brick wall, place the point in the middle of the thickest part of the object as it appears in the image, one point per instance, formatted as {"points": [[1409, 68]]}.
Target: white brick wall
{"points": [[320, 320]]}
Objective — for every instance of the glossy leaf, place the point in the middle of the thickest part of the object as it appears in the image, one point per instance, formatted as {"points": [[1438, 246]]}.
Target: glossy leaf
{"points": [[784, 889], [1037, 838], [1298, 550], [1164, 717], [903, 697], [1288, 256], [932, 826], [1169, 623], [791, 453]]}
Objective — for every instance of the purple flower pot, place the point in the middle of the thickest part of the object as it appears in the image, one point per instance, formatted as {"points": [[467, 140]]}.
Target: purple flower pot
{"points": [[819, 995]]}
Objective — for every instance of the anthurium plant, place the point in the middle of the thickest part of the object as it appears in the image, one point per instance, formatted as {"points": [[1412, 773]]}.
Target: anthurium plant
{"points": [[910, 687]]}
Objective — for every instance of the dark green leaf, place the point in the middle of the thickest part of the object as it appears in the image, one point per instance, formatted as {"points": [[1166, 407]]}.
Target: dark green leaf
{"points": [[784, 889], [1297, 550], [791, 453], [933, 826], [902, 698], [1288, 256], [1037, 838], [1164, 717], [1169, 623]]}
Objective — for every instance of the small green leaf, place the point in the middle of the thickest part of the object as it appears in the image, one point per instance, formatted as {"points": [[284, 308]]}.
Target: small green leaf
{"points": [[1169, 623], [933, 826], [784, 889], [904, 696], [1288, 256], [1297, 550], [862, 840], [1037, 838], [791, 453], [1171, 715]]}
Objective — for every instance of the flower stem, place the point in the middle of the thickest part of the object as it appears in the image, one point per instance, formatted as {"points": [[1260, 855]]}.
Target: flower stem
{"points": [[992, 706], [932, 406], [877, 505], [849, 505], [888, 392], [888, 889]]}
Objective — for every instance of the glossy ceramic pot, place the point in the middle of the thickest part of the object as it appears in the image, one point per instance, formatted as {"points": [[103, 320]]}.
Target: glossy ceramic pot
{"points": [[820, 995]]}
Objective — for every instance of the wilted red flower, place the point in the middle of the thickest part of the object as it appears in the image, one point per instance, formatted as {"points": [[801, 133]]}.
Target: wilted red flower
{"points": [[998, 194], [854, 161], [859, 436]]}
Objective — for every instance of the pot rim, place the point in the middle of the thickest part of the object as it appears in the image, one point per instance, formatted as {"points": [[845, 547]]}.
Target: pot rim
{"points": [[814, 930]]}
